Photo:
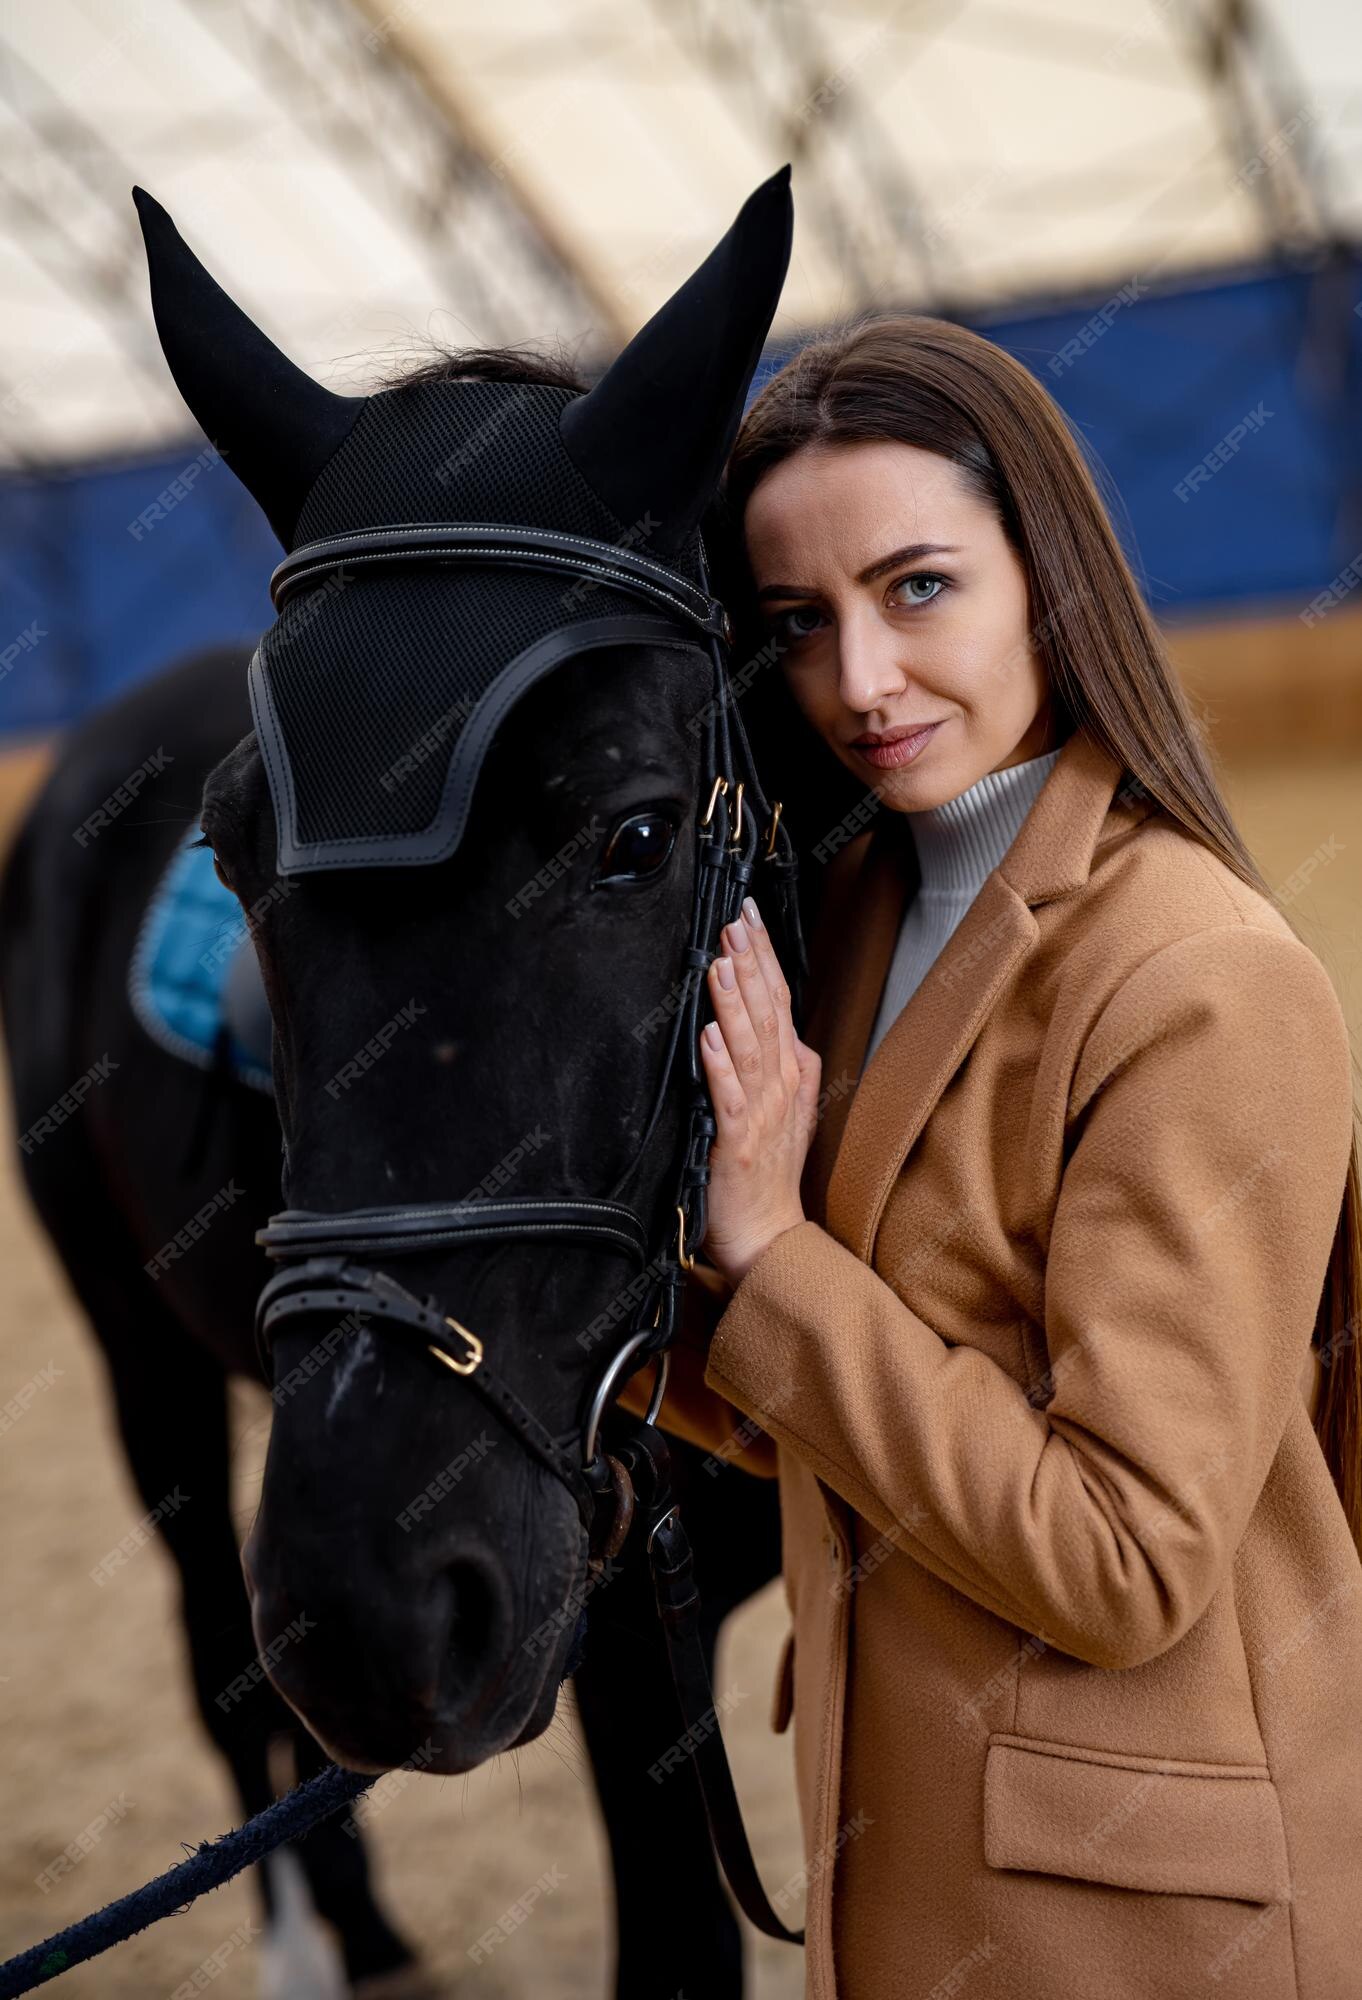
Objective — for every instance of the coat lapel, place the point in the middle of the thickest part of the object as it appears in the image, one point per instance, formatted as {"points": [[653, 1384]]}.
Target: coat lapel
{"points": [[869, 1127], [854, 946]]}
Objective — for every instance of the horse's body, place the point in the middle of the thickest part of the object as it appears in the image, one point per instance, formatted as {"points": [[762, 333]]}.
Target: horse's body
{"points": [[153, 1143], [497, 689]]}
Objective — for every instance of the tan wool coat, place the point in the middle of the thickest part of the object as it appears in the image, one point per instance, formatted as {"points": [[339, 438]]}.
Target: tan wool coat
{"points": [[1076, 1651]]}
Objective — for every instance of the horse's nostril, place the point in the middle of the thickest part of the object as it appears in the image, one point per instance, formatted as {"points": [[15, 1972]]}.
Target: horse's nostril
{"points": [[473, 1618]]}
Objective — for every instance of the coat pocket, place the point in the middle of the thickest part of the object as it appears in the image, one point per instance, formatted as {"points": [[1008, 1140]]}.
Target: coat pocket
{"points": [[1134, 1822], [782, 1697]]}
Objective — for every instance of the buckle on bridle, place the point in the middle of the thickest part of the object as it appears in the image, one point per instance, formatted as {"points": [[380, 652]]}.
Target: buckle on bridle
{"points": [[474, 1349], [737, 816], [719, 785]]}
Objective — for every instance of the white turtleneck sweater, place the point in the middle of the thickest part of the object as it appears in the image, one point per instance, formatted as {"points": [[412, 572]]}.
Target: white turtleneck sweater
{"points": [[958, 846]]}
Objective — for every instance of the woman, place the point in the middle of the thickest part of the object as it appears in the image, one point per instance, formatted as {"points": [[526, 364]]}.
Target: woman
{"points": [[1016, 1267]]}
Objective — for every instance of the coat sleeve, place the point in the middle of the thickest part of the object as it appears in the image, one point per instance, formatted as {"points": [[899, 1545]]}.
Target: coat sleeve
{"points": [[1208, 1134], [690, 1408]]}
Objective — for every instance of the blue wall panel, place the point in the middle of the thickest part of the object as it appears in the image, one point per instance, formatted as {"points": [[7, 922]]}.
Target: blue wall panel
{"points": [[109, 573]]}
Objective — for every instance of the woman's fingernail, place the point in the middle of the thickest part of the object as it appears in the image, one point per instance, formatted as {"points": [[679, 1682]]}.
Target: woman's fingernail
{"points": [[737, 935], [713, 1037], [726, 972], [752, 914]]}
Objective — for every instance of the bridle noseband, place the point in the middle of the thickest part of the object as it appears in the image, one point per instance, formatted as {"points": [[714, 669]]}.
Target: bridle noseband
{"points": [[738, 831], [324, 1279]]}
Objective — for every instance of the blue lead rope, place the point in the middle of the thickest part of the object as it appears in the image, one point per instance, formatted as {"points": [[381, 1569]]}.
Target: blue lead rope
{"points": [[208, 1868]]}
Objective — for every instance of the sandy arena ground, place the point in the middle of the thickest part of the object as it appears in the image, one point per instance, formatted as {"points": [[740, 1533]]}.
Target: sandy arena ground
{"points": [[94, 1699]]}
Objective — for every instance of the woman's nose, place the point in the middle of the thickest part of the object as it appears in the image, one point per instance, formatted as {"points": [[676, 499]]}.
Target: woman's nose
{"points": [[869, 663]]}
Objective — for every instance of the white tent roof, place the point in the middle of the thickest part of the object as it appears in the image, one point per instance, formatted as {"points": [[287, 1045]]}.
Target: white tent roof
{"points": [[366, 178]]}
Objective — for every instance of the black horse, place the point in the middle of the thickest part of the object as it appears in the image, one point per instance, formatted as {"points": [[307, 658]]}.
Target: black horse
{"points": [[430, 1633], [151, 1148]]}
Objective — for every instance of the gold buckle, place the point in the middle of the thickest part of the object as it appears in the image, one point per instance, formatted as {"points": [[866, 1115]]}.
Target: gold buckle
{"points": [[771, 833], [720, 785], [687, 1263], [737, 815], [474, 1350]]}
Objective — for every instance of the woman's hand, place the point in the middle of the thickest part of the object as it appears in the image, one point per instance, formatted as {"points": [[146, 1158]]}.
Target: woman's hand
{"points": [[764, 1085]]}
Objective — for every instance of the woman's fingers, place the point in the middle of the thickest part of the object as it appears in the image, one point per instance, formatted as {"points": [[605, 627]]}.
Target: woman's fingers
{"points": [[734, 1016], [762, 1044], [777, 988], [725, 1086], [763, 1084], [753, 1013]]}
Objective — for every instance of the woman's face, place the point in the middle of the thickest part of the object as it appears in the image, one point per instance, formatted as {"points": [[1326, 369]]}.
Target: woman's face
{"points": [[900, 604]]}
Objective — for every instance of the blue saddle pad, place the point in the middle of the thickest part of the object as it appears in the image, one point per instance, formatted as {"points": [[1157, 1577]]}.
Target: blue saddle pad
{"points": [[193, 943]]}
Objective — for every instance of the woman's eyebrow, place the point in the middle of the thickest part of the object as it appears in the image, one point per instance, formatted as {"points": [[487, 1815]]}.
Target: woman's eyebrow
{"points": [[911, 552]]}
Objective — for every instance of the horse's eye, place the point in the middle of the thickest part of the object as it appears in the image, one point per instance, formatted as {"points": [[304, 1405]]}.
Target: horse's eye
{"points": [[637, 848], [221, 875]]}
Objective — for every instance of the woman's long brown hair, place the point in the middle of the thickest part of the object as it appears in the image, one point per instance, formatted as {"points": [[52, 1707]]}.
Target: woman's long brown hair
{"points": [[927, 382]]}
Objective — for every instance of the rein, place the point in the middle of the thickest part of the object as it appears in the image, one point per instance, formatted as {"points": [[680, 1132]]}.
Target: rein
{"points": [[326, 1257]]}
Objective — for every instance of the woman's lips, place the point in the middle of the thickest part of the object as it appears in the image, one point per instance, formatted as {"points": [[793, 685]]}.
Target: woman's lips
{"points": [[887, 756]]}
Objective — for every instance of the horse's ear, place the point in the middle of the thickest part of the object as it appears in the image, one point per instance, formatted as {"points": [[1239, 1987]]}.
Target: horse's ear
{"points": [[652, 436], [273, 424]]}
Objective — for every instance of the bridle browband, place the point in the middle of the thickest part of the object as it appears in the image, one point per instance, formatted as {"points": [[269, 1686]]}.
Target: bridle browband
{"points": [[320, 1251], [490, 543]]}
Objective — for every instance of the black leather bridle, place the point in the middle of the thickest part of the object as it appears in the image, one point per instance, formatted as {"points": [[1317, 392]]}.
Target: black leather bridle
{"points": [[322, 1253]]}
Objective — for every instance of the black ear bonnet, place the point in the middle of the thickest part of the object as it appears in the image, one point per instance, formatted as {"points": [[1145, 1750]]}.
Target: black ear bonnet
{"points": [[407, 624]]}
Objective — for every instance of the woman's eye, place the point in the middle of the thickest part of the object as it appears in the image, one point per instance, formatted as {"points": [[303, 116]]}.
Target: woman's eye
{"points": [[797, 623], [802, 620], [637, 848], [907, 583]]}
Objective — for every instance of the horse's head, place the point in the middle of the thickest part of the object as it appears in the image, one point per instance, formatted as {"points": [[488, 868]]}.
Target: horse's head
{"points": [[474, 832]]}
